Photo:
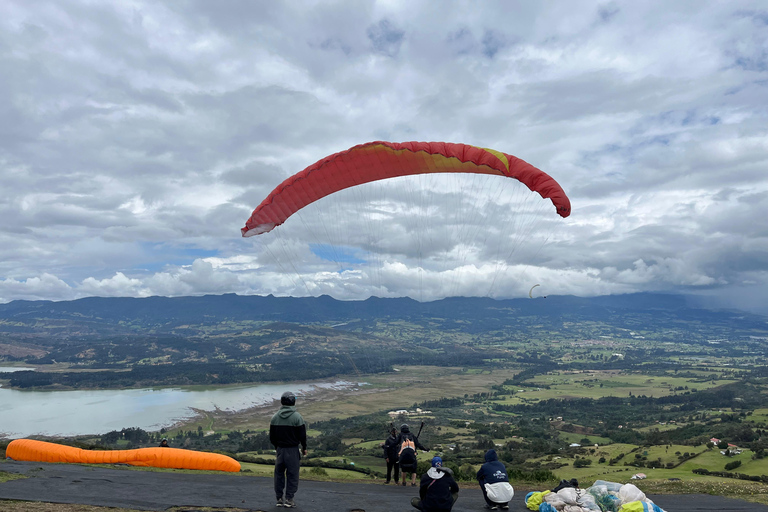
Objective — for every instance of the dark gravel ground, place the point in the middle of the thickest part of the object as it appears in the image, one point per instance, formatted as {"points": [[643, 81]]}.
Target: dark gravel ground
{"points": [[159, 491]]}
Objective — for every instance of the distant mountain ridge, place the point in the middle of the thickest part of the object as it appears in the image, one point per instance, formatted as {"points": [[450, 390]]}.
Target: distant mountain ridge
{"points": [[227, 339], [174, 311]]}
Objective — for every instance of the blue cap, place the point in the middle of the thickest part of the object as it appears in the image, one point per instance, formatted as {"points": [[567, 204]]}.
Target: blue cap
{"points": [[437, 462]]}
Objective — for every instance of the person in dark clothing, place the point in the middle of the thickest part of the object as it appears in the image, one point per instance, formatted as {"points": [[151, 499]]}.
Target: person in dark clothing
{"points": [[390, 454], [494, 482], [286, 431], [408, 443], [438, 491], [164, 443]]}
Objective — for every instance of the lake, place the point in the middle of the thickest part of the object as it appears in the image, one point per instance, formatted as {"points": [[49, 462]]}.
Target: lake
{"points": [[70, 413], [8, 369]]}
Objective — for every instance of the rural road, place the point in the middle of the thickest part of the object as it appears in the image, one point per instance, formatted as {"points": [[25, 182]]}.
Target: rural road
{"points": [[145, 490]]}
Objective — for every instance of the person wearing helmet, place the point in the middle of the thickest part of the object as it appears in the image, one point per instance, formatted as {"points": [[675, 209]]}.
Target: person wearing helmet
{"points": [[407, 453], [164, 443], [287, 431]]}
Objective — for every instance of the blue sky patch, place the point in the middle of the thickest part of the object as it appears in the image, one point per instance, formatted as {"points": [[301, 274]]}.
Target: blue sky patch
{"points": [[160, 256], [336, 253]]}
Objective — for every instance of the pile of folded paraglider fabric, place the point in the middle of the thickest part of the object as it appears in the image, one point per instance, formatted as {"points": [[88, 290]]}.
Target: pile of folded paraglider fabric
{"points": [[602, 496], [41, 451]]}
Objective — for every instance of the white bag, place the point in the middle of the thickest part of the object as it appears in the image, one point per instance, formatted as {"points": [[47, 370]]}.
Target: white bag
{"points": [[568, 495], [555, 500], [587, 502], [500, 492], [630, 492]]}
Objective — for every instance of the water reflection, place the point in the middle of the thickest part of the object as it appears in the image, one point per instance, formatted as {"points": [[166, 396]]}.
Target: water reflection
{"points": [[69, 413]]}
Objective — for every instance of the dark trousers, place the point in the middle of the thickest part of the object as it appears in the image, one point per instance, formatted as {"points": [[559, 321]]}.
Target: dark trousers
{"points": [[287, 462], [485, 495], [390, 465]]}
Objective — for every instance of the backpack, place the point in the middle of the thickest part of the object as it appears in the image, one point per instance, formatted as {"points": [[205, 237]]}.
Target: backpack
{"points": [[407, 450]]}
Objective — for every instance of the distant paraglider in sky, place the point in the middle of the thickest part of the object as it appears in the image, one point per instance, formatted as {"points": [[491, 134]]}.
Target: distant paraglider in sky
{"points": [[530, 292], [424, 219]]}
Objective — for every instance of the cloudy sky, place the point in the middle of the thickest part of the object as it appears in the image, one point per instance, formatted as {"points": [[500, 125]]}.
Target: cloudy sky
{"points": [[137, 137]]}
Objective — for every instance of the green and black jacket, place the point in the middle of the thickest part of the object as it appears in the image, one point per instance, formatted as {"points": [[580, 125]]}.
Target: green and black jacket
{"points": [[287, 428]]}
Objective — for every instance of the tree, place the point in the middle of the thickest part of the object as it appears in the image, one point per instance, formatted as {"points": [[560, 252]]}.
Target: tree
{"points": [[582, 463], [110, 437]]}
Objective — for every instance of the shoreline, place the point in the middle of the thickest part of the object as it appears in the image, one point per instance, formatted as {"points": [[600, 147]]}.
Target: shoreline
{"points": [[265, 410], [213, 412], [344, 396]]}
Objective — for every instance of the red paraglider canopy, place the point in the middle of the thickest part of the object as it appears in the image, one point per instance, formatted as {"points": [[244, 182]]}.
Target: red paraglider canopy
{"points": [[381, 160]]}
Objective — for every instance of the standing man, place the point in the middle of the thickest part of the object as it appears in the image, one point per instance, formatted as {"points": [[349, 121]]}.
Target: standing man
{"points": [[407, 455], [286, 431], [390, 453]]}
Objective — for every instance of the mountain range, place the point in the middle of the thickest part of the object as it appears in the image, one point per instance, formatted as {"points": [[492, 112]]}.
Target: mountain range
{"points": [[163, 314]]}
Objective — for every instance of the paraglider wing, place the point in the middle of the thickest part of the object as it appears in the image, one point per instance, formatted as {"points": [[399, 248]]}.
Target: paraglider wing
{"points": [[381, 160], [41, 451], [530, 292]]}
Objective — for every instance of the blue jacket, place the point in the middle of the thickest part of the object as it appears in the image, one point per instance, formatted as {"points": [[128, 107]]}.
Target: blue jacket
{"points": [[493, 470]]}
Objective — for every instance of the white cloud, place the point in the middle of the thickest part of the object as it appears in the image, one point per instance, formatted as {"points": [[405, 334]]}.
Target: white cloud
{"points": [[44, 287], [136, 138], [116, 286]]}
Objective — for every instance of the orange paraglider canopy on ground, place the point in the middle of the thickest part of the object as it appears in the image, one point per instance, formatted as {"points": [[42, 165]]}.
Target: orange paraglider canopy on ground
{"points": [[41, 451]]}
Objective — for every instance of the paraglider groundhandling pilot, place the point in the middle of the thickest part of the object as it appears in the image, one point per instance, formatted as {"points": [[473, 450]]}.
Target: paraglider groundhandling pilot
{"points": [[408, 443], [286, 431]]}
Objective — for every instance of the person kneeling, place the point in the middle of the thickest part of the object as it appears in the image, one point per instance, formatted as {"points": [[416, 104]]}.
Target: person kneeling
{"points": [[494, 482], [438, 491]]}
